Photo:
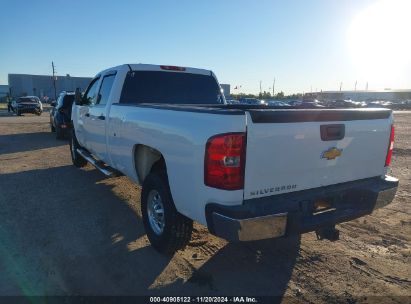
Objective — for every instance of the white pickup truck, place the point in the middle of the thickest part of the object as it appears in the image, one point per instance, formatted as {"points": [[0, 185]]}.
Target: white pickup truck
{"points": [[247, 172]]}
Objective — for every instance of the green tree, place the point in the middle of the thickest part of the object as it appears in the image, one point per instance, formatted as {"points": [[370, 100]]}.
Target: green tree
{"points": [[280, 95]]}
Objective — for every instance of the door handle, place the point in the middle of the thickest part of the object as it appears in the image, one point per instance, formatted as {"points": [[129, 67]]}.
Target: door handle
{"points": [[102, 117], [87, 115], [332, 132]]}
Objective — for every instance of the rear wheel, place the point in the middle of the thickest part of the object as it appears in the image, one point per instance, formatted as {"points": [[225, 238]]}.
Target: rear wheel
{"points": [[76, 158], [166, 228]]}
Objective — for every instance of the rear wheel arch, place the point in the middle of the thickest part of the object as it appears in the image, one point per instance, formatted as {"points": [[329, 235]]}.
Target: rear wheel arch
{"points": [[146, 160]]}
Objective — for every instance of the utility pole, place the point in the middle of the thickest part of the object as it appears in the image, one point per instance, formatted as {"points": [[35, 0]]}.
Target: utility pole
{"points": [[355, 87], [274, 87], [260, 87], [366, 86], [54, 81], [340, 85]]}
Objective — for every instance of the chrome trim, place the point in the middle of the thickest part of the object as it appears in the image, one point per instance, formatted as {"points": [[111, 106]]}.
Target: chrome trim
{"points": [[250, 229], [385, 197], [95, 163]]}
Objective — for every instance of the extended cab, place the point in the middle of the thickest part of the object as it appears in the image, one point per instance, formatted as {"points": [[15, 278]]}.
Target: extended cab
{"points": [[247, 172]]}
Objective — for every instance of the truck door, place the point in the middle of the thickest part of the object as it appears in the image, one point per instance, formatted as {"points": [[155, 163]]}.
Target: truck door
{"points": [[83, 119], [97, 119]]}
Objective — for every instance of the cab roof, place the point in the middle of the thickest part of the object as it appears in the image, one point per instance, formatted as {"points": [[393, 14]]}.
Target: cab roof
{"points": [[154, 67]]}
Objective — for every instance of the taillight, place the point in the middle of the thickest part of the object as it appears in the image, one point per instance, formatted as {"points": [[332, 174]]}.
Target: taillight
{"points": [[172, 68], [224, 161], [390, 147]]}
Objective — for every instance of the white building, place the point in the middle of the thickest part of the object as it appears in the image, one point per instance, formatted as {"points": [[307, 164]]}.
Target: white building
{"points": [[42, 85], [362, 95]]}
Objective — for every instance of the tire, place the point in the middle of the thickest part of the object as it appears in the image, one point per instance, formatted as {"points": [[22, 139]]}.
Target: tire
{"points": [[52, 128], [177, 228], [76, 158]]}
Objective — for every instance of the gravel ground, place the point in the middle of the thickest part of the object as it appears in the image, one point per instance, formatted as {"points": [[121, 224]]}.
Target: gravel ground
{"points": [[68, 231]]}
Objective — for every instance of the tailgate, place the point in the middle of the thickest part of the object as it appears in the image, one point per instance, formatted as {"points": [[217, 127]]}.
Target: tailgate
{"points": [[293, 150]]}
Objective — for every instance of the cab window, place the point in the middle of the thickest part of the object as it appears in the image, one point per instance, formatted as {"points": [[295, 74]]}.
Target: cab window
{"points": [[91, 93], [105, 89]]}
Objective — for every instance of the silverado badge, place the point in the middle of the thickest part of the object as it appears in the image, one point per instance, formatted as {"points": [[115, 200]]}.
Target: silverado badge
{"points": [[331, 153]]}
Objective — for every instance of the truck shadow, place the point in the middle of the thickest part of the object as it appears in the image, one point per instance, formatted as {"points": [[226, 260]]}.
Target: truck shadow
{"points": [[22, 142], [65, 231], [261, 268]]}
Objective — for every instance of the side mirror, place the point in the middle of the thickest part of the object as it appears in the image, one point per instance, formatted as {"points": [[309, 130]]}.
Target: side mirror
{"points": [[78, 99], [53, 103]]}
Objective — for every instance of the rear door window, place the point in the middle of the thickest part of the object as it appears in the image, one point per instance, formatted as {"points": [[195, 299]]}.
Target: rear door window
{"points": [[170, 88]]}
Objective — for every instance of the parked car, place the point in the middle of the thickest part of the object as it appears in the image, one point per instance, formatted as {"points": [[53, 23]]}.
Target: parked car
{"points": [[277, 103], [60, 115], [251, 101], [27, 104], [246, 172]]}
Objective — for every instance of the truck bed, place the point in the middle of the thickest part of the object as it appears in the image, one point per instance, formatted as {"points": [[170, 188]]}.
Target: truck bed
{"points": [[266, 114]]}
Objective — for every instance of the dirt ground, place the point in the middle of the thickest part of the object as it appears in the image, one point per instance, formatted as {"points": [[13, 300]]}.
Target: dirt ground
{"points": [[68, 231]]}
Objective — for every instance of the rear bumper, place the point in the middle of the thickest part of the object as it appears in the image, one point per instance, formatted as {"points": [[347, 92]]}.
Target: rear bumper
{"points": [[296, 213]]}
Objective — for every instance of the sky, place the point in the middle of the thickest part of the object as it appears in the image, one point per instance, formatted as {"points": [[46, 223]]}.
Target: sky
{"points": [[305, 45]]}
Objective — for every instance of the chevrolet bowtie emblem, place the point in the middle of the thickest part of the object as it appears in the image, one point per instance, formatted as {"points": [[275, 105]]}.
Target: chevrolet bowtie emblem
{"points": [[331, 153]]}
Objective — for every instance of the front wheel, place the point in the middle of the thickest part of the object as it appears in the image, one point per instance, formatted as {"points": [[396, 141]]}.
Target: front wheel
{"points": [[166, 228], [76, 158]]}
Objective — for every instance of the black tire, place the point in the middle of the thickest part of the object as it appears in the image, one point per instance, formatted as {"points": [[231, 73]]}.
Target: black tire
{"points": [[177, 228], [59, 133], [52, 128], [76, 158]]}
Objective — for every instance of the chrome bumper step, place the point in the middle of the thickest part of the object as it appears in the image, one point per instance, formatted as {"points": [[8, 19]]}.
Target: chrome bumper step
{"points": [[103, 168]]}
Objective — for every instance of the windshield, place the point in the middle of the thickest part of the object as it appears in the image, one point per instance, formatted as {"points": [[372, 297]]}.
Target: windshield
{"points": [[170, 88], [27, 99]]}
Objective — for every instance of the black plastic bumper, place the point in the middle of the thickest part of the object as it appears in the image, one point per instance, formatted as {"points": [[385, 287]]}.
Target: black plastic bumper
{"points": [[298, 212]]}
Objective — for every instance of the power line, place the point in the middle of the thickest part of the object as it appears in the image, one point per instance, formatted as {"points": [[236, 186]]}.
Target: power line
{"points": [[54, 81]]}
